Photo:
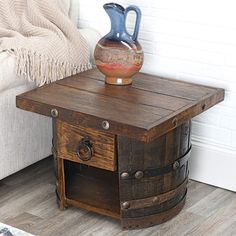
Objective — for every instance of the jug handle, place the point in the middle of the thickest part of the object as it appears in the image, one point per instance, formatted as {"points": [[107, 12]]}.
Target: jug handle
{"points": [[138, 19]]}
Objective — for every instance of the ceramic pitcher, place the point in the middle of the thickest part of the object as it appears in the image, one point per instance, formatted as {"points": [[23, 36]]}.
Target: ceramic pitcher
{"points": [[118, 54]]}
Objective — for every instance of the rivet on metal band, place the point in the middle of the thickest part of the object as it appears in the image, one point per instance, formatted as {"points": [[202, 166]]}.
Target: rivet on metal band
{"points": [[124, 175], [125, 205], [155, 199], [176, 165], [138, 174], [105, 124], [54, 112]]}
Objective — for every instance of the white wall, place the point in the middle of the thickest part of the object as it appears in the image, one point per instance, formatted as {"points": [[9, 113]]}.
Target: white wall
{"points": [[193, 41]]}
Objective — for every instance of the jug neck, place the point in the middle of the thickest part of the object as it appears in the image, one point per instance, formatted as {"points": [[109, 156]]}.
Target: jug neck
{"points": [[117, 18]]}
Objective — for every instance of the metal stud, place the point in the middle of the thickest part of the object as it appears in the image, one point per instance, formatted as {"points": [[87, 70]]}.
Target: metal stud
{"points": [[54, 112], [155, 199], [124, 175], [138, 174], [105, 124], [125, 205], [176, 165]]}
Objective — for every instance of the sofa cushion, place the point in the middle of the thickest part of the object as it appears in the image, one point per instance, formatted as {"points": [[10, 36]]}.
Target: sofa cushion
{"points": [[8, 78], [24, 137]]}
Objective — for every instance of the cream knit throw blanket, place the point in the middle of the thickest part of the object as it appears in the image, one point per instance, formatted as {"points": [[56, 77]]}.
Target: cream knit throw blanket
{"points": [[46, 44]]}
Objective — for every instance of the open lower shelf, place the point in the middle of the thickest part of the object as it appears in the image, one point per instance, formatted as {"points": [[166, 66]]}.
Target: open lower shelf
{"points": [[92, 188]]}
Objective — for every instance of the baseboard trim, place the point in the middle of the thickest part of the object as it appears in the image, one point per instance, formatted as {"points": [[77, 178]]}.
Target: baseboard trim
{"points": [[213, 165]]}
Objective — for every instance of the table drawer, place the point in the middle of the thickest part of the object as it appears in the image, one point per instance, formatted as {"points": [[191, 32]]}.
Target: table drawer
{"points": [[86, 146]]}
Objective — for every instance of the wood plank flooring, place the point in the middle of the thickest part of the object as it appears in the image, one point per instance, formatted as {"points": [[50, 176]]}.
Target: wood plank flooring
{"points": [[27, 201]]}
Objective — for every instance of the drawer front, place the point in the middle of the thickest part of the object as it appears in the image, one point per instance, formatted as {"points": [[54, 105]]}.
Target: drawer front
{"points": [[86, 146]]}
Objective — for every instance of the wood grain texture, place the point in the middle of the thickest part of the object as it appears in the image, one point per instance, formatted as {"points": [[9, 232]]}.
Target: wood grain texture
{"points": [[99, 190], [69, 137], [25, 221], [157, 200], [150, 123], [160, 85], [149, 198], [147, 109], [163, 102], [58, 168], [154, 219], [28, 202], [92, 188]]}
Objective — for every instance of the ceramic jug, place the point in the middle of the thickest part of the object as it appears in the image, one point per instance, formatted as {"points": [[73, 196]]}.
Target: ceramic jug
{"points": [[118, 54]]}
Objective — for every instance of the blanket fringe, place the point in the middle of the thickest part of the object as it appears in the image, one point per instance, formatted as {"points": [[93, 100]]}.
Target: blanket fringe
{"points": [[42, 69]]}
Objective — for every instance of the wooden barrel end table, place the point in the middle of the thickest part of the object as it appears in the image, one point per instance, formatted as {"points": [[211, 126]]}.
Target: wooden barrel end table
{"points": [[122, 151]]}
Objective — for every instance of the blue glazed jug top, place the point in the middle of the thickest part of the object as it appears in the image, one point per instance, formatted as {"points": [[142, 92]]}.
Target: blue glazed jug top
{"points": [[114, 6], [118, 15]]}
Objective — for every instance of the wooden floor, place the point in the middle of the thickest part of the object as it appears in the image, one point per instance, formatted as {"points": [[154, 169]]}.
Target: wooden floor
{"points": [[27, 201]]}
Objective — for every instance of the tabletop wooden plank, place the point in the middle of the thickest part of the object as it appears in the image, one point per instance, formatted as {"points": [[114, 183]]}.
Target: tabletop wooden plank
{"points": [[146, 110], [165, 86], [95, 104], [178, 117], [127, 93]]}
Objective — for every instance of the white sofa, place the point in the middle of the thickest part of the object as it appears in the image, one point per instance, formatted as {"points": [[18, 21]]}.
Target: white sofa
{"points": [[26, 138]]}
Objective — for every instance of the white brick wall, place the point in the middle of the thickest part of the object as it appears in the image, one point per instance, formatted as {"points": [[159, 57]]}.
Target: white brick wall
{"points": [[193, 41]]}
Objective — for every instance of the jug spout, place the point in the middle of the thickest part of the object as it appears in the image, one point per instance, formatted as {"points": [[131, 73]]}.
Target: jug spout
{"points": [[113, 6], [117, 17]]}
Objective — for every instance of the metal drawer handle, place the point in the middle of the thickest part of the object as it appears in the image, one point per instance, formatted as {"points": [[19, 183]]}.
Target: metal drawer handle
{"points": [[85, 149]]}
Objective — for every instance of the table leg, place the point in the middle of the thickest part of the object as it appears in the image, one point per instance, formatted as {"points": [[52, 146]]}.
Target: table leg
{"points": [[59, 170]]}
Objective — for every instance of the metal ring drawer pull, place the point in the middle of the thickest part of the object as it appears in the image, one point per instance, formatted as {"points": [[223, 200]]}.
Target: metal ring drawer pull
{"points": [[85, 149]]}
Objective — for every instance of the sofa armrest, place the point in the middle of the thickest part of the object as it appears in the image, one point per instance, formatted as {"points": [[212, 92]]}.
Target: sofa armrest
{"points": [[92, 36], [8, 77]]}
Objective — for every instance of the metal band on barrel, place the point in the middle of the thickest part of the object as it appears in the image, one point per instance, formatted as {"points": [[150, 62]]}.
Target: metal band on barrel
{"points": [[158, 199], [152, 172]]}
